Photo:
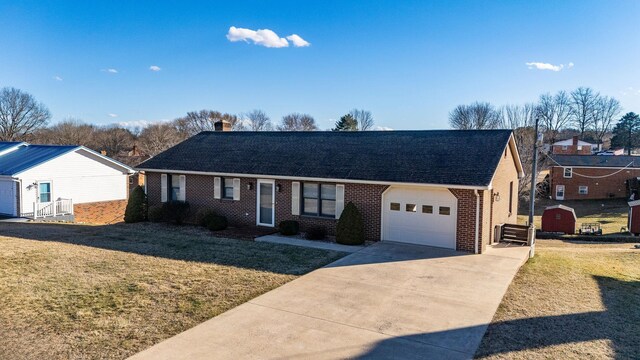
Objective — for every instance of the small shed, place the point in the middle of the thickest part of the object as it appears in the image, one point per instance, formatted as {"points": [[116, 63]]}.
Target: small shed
{"points": [[559, 218], [634, 217]]}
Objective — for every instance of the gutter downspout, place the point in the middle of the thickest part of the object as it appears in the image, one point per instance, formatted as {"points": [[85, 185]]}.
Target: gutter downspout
{"points": [[477, 220]]}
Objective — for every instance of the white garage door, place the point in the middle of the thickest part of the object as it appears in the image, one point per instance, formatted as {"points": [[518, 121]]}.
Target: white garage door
{"points": [[420, 216], [7, 198]]}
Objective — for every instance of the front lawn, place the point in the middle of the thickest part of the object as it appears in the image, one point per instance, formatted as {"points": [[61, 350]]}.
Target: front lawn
{"points": [[73, 291], [572, 301]]}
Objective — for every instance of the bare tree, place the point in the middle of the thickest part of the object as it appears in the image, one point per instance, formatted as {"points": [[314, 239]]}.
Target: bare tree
{"points": [[604, 110], [114, 140], [204, 120], [256, 120], [364, 119], [20, 114], [297, 122], [555, 113], [68, 132], [583, 101], [157, 138], [479, 115], [518, 116]]}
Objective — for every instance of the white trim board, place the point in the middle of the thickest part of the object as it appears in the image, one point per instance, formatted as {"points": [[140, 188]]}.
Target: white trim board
{"points": [[349, 181]]}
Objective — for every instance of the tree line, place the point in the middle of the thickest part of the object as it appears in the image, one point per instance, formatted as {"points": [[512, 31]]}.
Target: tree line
{"points": [[583, 112], [23, 118]]}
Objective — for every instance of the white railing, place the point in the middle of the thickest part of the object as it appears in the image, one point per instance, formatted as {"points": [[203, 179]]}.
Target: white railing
{"points": [[52, 208]]}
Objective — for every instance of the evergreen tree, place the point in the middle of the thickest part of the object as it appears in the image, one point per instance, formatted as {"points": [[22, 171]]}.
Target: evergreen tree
{"points": [[626, 133], [135, 211], [350, 227], [346, 123]]}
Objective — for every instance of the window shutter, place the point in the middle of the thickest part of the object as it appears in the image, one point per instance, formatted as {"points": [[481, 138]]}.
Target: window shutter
{"points": [[295, 198], [236, 189], [182, 196], [216, 188], [163, 187], [339, 200]]}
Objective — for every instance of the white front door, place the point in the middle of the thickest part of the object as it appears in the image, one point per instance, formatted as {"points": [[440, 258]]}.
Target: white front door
{"points": [[559, 192], [425, 216], [265, 207]]}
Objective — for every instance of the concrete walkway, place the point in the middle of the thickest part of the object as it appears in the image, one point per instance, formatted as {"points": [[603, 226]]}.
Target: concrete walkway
{"points": [[325, 245], [386, 301]]}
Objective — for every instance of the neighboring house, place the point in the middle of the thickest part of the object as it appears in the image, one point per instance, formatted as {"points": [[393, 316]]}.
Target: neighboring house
{"points": [[440, 188], [573, 146], [575, 177], [48, 181]]}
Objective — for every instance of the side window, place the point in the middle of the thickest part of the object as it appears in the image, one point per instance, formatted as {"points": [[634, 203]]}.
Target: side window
{"points": [[228, 188], [174, 189], [511, 197], [568, 172]]}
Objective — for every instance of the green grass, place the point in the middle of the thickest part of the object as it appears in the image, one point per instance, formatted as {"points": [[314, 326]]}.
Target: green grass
{"points": [[72, 291], [572, 301]]}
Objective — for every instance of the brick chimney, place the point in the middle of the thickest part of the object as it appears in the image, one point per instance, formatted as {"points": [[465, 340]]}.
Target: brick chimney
{"points": [[575, 140], [222, 125]]}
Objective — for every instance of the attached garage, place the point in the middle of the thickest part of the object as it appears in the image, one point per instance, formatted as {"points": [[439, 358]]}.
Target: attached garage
{"points": [[8, 198], [417, 215]]}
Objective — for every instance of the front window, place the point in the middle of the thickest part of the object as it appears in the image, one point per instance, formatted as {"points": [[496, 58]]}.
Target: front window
{"points": [[568, 172], [583, 190], [228, 188], [174, 190], [319, 199], [44, 189]]}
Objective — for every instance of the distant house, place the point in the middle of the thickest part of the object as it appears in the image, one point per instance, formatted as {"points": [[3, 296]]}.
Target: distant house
{"points": [[64, 182], [575, 177], [418, 187], [573, 146]]}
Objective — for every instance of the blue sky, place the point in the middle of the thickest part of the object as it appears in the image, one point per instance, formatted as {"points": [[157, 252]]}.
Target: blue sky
{"points": [[409, 62]]}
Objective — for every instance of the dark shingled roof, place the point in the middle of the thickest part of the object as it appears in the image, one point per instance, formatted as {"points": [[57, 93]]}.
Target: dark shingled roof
{"points": [[620, 161], [453, 157]]}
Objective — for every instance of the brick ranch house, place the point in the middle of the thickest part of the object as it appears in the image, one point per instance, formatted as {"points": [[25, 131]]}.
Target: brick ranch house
{"points": [[52, 182], [439, 188], [573, 146], [575, 177]]}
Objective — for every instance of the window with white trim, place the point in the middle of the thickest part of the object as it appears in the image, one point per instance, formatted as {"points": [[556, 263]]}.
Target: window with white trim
{"points": [[568, 172], [579, 147], [583, 190], [174, 187], [564, 147], [319, 199], [227, 192]]}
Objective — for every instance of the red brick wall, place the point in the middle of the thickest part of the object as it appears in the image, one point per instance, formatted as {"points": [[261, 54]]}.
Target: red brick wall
{"points": [[600, 188], [466, 229], [199, 193], [103, 212]]}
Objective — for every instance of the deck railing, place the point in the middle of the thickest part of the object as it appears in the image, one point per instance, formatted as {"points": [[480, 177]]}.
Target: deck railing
{"points": [[50, 209]]}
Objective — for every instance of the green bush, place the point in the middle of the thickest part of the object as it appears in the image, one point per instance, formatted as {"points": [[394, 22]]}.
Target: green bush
{"points": [[203, 216], [289, 227], [350, 228], [136, 206], [217, 223], [176, 211], [155, 213], [315, 233]]}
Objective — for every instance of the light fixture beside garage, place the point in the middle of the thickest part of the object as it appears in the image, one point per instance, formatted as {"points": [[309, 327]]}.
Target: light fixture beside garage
{"points": [[496, 197]]}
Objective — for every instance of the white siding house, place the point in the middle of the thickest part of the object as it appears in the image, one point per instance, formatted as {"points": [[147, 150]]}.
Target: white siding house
{"points": [[46, 180]]}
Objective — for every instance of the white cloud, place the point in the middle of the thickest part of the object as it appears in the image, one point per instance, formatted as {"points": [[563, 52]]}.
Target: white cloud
{"points": [[110, 71], [382, 128], [547, 66], [263, 37], [298, 41], [113, 115], [57, 78], [630, 91], [140, 123], [154, 68]]}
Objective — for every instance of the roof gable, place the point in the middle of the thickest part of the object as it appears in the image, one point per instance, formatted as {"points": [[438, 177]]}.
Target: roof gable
{"points": [[444, 157]]}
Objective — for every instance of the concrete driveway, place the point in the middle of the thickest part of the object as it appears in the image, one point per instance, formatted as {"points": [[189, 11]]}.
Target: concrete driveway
{"points": [[388, 300]]}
